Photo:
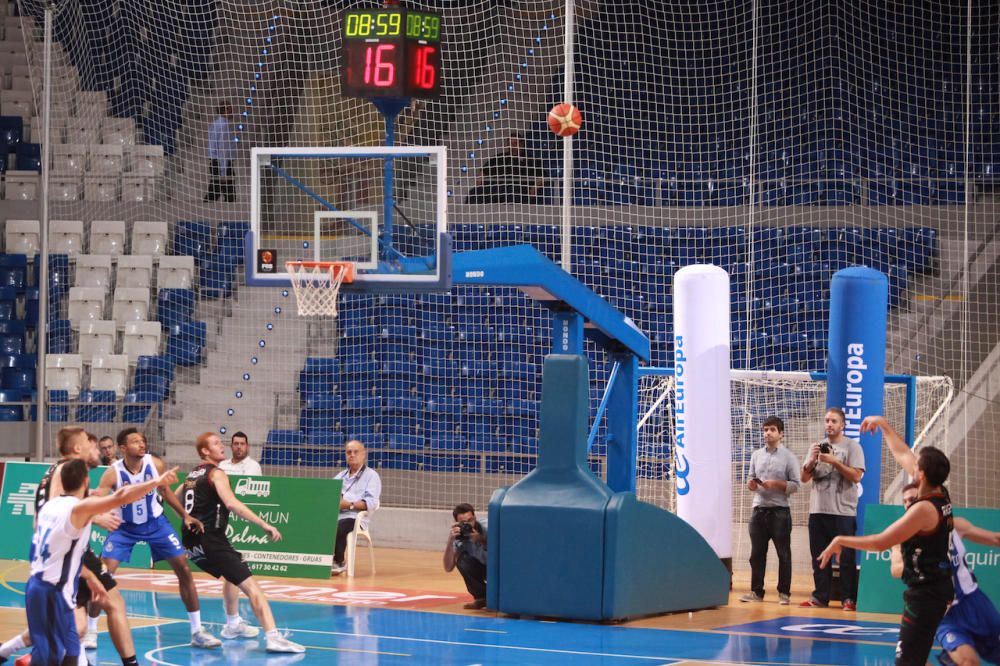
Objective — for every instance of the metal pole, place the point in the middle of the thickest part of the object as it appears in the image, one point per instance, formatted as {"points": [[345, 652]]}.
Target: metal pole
{"points": [[567, 179], [43, 255]]}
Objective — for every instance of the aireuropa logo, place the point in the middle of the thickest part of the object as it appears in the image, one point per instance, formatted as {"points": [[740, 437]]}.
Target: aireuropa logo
{"points": [[22, 500], [253, 488], [818, 628], [841, 630]]}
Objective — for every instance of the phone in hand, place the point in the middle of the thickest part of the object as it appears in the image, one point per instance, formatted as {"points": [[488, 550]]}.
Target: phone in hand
{"points": [[825, 447], [756, 480]]}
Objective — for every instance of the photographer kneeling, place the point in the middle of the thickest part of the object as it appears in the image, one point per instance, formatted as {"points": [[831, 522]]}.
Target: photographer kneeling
{"points": [[466, 549]]}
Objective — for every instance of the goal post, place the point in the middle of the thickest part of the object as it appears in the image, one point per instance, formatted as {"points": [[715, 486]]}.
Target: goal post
{"points": [[917, 406]]}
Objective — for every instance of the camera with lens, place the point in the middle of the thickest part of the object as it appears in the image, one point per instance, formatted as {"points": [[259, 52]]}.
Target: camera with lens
{"points": [[464, 530], [825, 447]]}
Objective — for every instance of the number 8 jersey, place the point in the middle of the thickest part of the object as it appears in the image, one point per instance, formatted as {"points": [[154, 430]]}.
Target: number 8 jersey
{"points": [[147, 508]]}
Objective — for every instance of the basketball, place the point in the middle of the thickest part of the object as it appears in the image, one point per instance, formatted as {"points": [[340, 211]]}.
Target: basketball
{"points": [[266, 256], [565, 119]]}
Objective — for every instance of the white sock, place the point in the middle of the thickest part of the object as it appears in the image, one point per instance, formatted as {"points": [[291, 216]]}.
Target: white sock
{"points": [[273, 633], [82, 659], [92, 624], [12, 646], [195, 619], [233, 620]]}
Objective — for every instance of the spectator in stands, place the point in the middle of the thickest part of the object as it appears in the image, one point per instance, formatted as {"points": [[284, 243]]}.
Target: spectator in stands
{"points": [[241, 462], [510, 177], [108, 450], [466, 549], [835, 466], [221, 151], [773, 477], [360, 491]]}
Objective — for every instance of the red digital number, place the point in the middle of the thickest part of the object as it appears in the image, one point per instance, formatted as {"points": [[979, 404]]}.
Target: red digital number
{"points": [[380, 70], [424, 73]]}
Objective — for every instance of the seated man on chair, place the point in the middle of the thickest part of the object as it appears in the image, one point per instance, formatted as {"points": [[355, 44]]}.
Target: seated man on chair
{"points": [[466, 549], [360, 491]]}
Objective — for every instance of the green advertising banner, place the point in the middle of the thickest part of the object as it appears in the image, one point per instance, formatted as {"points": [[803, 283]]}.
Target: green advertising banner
{"points": [[879, 592], [297, 507], [17, 514]]}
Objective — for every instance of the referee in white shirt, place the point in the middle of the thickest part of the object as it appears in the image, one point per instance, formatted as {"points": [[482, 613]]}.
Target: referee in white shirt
{"points": [[360, 491], [241, 463]]}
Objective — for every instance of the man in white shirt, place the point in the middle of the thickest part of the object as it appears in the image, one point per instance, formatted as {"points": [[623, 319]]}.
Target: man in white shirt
{"points": [[241, 463], [221, 151], [360, 491]]}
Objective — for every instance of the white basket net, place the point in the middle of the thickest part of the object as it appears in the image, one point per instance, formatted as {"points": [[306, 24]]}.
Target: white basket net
{"points": [[317, 286]]}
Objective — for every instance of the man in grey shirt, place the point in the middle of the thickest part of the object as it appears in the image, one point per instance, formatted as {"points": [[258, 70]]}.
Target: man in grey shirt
{"points": [[773, 476], [835, 466]]}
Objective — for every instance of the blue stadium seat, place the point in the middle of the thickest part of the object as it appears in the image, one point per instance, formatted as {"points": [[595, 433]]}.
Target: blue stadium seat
{"points": [[60, 337], [28, 157], [58, 409], [330, 438], [11, 133], [10, 412], [316, 457], [96, 407], [193, 239], [137, 406], [215, 276], [153, 375], [231, 241], [185, 343], [14, 272], [175, 306]]}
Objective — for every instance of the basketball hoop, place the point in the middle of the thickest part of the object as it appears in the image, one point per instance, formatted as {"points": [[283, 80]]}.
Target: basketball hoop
{"points": [[317, 285]]}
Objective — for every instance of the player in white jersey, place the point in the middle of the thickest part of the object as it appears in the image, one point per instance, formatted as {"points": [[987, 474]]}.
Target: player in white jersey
{"points": [[61, 535], [143, 520]]}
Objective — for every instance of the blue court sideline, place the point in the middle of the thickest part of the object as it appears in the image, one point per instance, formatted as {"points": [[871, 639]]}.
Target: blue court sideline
{"points": [[368, 636]]}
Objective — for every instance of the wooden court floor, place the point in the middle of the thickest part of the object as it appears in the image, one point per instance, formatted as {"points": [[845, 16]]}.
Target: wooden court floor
{"points": [[412, 613]]}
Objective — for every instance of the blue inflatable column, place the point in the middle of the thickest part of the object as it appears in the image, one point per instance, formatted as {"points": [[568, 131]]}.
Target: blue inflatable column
{"points": [[859, 303]]}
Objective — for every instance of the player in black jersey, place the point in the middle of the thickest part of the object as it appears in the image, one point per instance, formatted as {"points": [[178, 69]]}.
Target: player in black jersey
{"points": [[74, 443], [206, 495], [924, 531]]}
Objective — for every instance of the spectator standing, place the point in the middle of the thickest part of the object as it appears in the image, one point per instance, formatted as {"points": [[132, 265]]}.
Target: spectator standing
{"points": [[774, 477], [835, 466], [221, 151]]}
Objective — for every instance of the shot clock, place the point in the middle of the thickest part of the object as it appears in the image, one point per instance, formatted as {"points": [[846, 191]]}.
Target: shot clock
{"points": [[391, 52]]}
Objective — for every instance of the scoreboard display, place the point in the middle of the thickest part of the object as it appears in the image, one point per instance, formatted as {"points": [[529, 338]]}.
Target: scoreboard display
{"points": [[391, 52]]}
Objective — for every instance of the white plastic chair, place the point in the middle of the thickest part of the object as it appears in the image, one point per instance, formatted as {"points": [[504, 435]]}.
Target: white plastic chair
{"points": [[21, 185], [118, 131], [22, 237], [107, 237], [133, 188], [93, 270], [135, 270], [175, 273], [85, 304], [142, 338], [352, 544], [149, 238], [147, 160], [69, 159], [97, 338], [101, 187], [65, 188], [109, 373], [106, 159], [64, 372], [66, 237], [130, 304]]}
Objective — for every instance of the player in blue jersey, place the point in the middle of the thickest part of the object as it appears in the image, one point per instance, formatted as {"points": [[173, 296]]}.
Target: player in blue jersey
{"points": [[62, 534], [143, 521]]}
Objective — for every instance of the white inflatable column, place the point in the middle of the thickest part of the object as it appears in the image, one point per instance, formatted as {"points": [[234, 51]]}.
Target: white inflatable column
{"points": [[704, 438]]}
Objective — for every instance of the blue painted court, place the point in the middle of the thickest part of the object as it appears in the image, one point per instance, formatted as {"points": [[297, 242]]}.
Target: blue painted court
{"points": [[364, 635]]}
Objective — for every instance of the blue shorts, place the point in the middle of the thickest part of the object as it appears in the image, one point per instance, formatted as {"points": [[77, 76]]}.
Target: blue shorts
{"points": [[50, 623], [160, 535], [974, 622]]}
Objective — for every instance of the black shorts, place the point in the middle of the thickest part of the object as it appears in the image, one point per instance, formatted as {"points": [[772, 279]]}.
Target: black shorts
{"points": [[213, 553], [96, 566], [923, 608]]}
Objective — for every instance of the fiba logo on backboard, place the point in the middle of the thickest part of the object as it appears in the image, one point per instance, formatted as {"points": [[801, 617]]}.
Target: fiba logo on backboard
{"points": [[253, 488], [266, 261]]}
